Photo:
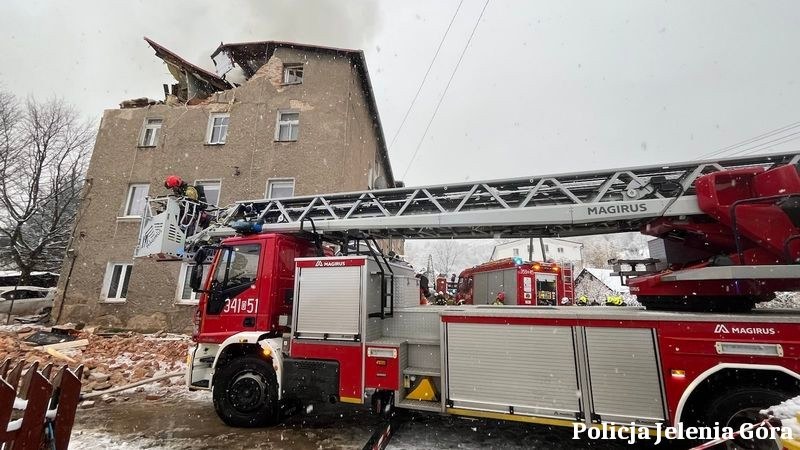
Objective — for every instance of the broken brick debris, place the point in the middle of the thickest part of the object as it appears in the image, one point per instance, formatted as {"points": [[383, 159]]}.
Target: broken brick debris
{"points": [[109, 360]]}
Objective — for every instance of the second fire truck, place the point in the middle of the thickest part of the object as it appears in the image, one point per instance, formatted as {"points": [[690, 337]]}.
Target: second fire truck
{"points": [[520, 282]]}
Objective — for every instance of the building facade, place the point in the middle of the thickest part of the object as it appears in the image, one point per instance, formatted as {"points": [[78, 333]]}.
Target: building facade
{"points": [[559, 250], [277, 119]]}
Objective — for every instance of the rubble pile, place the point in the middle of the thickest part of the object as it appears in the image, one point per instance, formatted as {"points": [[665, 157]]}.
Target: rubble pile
{"points": [[110, 360]]}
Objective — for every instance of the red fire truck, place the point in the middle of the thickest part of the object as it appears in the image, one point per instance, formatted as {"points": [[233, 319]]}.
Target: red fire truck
{"points": [[522, 283], [280, 322]]}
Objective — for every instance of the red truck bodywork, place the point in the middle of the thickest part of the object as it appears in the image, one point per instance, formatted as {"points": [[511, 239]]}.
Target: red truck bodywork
{"points": [[526, 286]]}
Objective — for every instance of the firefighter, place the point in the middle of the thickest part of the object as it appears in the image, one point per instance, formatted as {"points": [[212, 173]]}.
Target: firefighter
{"points": [[424, 291], [501, 298], [439, 298], [614, 300], [583, 300]]}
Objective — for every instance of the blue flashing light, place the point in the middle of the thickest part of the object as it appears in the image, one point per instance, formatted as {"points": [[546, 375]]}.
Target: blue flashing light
{"points": [[246, 227], [517, 260]]}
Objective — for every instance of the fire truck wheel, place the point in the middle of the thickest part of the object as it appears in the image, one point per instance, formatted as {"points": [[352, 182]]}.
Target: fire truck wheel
{"points": [[740, 406], [383, 403], [246, 393]]}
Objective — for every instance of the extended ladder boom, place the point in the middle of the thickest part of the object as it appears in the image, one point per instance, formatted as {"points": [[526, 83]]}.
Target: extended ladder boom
{"points": [[554, 205]]}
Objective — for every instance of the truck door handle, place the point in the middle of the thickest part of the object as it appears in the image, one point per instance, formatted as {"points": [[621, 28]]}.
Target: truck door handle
{"points": [[249, 322]]}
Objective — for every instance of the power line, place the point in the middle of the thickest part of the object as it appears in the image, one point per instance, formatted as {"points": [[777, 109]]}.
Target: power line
{"points": [[439, 103], [751, 140], [775, 142], [430, 66]]}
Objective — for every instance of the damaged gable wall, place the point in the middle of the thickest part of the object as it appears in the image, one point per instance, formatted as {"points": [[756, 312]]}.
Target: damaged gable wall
{"points": [[337, 144]]}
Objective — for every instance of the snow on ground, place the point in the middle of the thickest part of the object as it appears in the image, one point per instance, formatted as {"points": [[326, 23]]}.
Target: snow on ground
{"points": [[100, 440]]}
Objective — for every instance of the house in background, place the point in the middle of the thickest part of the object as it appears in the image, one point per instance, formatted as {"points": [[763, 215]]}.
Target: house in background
{"points": [[275, 119], [559, 250], [597, 284]]}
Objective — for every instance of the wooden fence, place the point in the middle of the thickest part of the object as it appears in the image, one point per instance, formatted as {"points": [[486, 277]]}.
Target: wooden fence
{"points": [[37, 407]]}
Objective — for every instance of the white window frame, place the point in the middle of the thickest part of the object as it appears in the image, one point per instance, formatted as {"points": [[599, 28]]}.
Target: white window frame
{"points": [[204, 183], [195, 296], [127, 266], [126, 208], [210, 128], [289, 123], [288, 67], [272, 181], [148, 126]]}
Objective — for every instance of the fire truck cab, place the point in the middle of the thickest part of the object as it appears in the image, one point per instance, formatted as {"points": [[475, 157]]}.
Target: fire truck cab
{"points": [[523, 283]]}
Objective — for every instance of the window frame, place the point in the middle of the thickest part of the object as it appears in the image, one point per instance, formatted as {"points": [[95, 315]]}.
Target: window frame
{"points": [[127, 268], [186, 269], [146, 126], [290, 123], [272, 181], [126, 214], [291, 66], [210, 128], [217, 181]]}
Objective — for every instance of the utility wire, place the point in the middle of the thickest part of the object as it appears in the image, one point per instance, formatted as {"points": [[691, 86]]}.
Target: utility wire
{"points": [[427, 72], [444, 93], [775, 142], [737, 145]]}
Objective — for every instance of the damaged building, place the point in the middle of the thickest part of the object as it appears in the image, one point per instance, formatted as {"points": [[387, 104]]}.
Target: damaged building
{"points": [[273, 119]]}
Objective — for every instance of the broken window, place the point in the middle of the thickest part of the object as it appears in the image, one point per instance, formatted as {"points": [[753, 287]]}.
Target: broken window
{"points": [[150, 133], [118, 276], [137, 199], [217, 128], [288, 126], [280, 188], [293, 74], [211, 190]]}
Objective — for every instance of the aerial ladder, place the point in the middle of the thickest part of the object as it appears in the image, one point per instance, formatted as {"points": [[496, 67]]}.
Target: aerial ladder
{"points": [[731, 224]]}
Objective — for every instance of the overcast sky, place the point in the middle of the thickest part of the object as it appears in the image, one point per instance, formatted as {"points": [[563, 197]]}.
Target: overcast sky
{"points": [[543, 87]]}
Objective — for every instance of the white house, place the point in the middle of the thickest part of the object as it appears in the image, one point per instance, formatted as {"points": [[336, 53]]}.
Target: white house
{"points": [[559, 250]]}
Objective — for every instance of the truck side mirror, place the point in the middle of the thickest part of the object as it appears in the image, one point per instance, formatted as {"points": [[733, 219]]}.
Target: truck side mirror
{"points": [[196, 277]]}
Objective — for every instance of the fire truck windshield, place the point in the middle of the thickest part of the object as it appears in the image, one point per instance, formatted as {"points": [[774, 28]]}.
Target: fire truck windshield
{"points": [[236, 270]]}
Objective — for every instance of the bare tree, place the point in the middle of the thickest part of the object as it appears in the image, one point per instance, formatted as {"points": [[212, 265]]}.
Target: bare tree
{"points": [[445, 255], [44, 148]]}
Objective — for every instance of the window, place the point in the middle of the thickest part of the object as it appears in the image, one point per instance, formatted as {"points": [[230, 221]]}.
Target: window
{"points": [[211, 190], [185, 294], [293, 74], [560, 249], [288, 126], [280, 188], [149, 136], [136, 202], [217, 128], [115, 285], [546, 248], [516, 252]]}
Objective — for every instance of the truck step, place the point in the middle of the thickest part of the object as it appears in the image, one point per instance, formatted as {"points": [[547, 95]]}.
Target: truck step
{"points": [[422, 371], [420, 405]]}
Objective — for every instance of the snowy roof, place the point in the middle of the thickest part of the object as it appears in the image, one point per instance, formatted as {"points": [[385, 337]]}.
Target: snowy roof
{"points": [[607, 277]]}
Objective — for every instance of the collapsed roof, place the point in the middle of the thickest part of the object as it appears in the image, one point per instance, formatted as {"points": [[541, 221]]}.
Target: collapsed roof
{"points": [[195, 84]]}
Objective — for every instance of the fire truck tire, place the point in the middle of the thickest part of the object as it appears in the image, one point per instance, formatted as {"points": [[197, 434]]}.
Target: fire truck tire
{"points": [[742, 405], [246, 393], [697, 304]]}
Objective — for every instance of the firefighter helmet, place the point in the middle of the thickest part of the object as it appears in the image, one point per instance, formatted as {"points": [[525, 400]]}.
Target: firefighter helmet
{"points": [[172, 182]]}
